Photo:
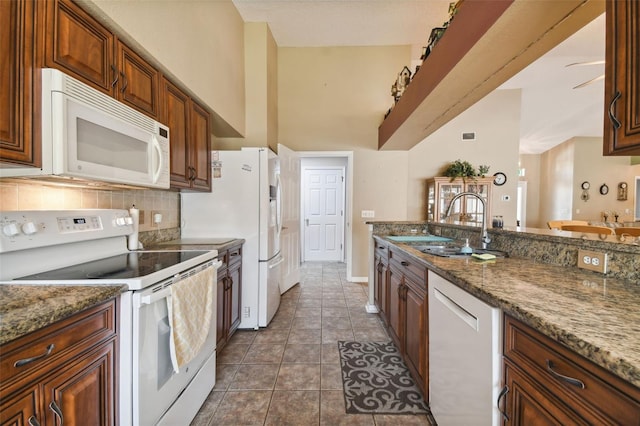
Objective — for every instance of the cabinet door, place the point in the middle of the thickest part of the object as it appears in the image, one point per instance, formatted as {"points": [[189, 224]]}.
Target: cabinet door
{"points": [[396, 308], [221, 334], [200, 146], [176, 116], [380, 288], [79, 45], [530, 405], [138, 82], [21, 409], [17, 19], [416, 334], [85, 391], [622, 91], [235, 275]]}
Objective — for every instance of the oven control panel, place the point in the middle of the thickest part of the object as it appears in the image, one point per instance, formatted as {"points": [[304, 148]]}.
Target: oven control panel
{"points": [[20, 230]]}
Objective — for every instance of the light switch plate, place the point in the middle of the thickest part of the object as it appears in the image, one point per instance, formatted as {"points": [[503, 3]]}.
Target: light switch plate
{"points": [[368, 213], [592, 260]]}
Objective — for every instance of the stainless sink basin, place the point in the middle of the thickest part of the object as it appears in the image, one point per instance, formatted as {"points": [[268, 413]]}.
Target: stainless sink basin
{"points": [[419, 238], [454, 251]]}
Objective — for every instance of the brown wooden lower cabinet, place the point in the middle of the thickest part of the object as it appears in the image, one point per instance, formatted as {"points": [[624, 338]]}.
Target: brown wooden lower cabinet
{"points": [[67, 371], [380, 280], [408, 314], [229, 294], [550, 384]]}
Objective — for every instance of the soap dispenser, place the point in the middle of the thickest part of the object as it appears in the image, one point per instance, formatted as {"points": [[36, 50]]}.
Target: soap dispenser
{"points": [[466, 249]]}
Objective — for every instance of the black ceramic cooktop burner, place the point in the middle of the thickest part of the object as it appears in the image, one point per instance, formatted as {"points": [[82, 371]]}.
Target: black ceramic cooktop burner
{"points": [[128, 265]]}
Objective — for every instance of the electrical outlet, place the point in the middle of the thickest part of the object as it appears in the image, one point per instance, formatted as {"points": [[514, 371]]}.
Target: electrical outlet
{"points": [[592, 260], [156, 217]]}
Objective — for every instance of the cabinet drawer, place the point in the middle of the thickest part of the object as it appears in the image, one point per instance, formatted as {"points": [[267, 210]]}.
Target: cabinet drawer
{"points": [[381, 250], [235, 255], [409, 266], [56, 343], [608, 398]]}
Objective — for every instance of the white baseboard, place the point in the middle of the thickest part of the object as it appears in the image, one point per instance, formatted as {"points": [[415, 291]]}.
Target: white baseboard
{"points": [[358, 279], [371, 309]]}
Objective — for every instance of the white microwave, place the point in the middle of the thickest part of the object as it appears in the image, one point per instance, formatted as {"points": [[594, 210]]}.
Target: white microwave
{"points": [[90, 136]]}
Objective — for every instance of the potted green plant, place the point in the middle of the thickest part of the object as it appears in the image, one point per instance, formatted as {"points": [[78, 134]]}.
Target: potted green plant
{"points": [[465, 170]]}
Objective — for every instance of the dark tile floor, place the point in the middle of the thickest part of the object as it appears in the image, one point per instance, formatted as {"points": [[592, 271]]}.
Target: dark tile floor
{"points": [[289, 373]]}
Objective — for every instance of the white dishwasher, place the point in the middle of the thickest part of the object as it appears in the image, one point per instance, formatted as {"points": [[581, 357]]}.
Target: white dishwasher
{"points": [[465, 356]]}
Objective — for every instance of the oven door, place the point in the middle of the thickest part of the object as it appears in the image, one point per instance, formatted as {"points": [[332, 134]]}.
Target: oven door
{"points": [[156, 386]]}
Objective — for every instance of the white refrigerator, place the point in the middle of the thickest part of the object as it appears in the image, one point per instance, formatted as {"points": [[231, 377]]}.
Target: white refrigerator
{"points": [[244, 203]]}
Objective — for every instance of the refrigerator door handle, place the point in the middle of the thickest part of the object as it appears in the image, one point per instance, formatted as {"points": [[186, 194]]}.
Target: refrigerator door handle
{"points": [[278, 204], [279, 261]]}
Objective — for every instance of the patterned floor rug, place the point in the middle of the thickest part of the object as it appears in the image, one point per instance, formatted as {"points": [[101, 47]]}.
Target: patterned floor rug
{"points": [[376, 380]]}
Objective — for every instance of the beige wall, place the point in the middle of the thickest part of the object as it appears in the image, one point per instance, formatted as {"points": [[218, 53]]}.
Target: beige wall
{"points": [[592, 166], [332, 99], [530, 163], [261, 82], [200, 42], [496, 121], [563, 169], [34, 196]]}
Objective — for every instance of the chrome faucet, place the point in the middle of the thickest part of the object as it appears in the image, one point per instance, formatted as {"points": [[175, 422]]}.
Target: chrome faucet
{"points": [[485, 234]]}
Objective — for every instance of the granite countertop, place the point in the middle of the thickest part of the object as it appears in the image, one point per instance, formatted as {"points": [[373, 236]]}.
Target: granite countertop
{"points": [[27, 308], [594, 315]]}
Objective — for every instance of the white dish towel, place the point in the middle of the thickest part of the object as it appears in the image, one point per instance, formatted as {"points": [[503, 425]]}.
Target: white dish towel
{"points": [[190, 309]]}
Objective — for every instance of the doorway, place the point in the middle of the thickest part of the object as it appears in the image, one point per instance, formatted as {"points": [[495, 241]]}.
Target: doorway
{"points": [[323, 208], [521, 208]]}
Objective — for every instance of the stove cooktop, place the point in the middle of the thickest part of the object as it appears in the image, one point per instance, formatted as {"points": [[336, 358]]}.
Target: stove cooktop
{"points": [[122, 266]]}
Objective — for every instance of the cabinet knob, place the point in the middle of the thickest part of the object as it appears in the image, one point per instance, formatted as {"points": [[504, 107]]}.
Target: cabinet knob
{"points": [[570, 380], [126, 82], [57, 411], [503, 393], [614, 121], [21, 362], [116, 77]]}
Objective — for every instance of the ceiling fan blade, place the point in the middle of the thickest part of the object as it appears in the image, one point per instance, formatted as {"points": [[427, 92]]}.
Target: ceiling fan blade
{"points": [[584, 63], [593, 80]]}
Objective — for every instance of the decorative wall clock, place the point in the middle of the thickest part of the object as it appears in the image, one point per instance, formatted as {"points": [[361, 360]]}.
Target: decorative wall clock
{"points": [[499, 179]]}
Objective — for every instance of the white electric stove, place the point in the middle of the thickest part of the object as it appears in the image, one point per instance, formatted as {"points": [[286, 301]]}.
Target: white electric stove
{"points": [[89, 247]]}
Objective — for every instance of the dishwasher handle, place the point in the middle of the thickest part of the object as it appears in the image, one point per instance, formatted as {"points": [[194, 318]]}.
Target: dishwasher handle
{"points": [[459, 311]]}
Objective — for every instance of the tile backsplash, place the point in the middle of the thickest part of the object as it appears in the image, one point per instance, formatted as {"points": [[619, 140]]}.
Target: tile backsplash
{"points": [[32, 195]]}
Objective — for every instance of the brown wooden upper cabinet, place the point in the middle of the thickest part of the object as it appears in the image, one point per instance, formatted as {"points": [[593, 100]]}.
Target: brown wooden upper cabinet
{"points": [[17, 37], [76, 43], [622, 82], [190, 129]]}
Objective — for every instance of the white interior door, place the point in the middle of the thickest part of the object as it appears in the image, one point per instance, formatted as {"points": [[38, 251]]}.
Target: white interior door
{"points": [[290, 204], [323, 214]]}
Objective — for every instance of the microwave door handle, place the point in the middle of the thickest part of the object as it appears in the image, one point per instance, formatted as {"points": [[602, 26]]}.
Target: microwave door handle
{"points": [[156, 146]]}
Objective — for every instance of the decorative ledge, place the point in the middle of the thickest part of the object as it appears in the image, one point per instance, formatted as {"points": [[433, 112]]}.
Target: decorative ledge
{"points": [[487, 42]]}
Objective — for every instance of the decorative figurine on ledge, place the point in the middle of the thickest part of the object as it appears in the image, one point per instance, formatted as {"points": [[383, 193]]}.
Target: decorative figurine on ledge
{"points": [[401, 83]]}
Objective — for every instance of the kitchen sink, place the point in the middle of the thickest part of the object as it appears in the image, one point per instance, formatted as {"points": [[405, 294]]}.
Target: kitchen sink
{"points": [[454, 251], [419, 239]]}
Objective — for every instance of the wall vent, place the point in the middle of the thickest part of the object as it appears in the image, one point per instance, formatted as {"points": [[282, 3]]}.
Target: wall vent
{"points": [[469, 136]]}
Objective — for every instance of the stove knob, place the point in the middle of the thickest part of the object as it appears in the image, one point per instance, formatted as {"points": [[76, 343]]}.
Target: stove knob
{"points": [[29, 228], [11, 230], [120, 221]]}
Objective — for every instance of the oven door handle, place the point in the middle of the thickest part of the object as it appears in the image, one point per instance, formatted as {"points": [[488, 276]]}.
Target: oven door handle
{"points": [[152, 298]]}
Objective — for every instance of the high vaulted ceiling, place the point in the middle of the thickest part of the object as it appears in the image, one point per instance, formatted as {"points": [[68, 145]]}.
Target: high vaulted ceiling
{"points": [[552, 111]]}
